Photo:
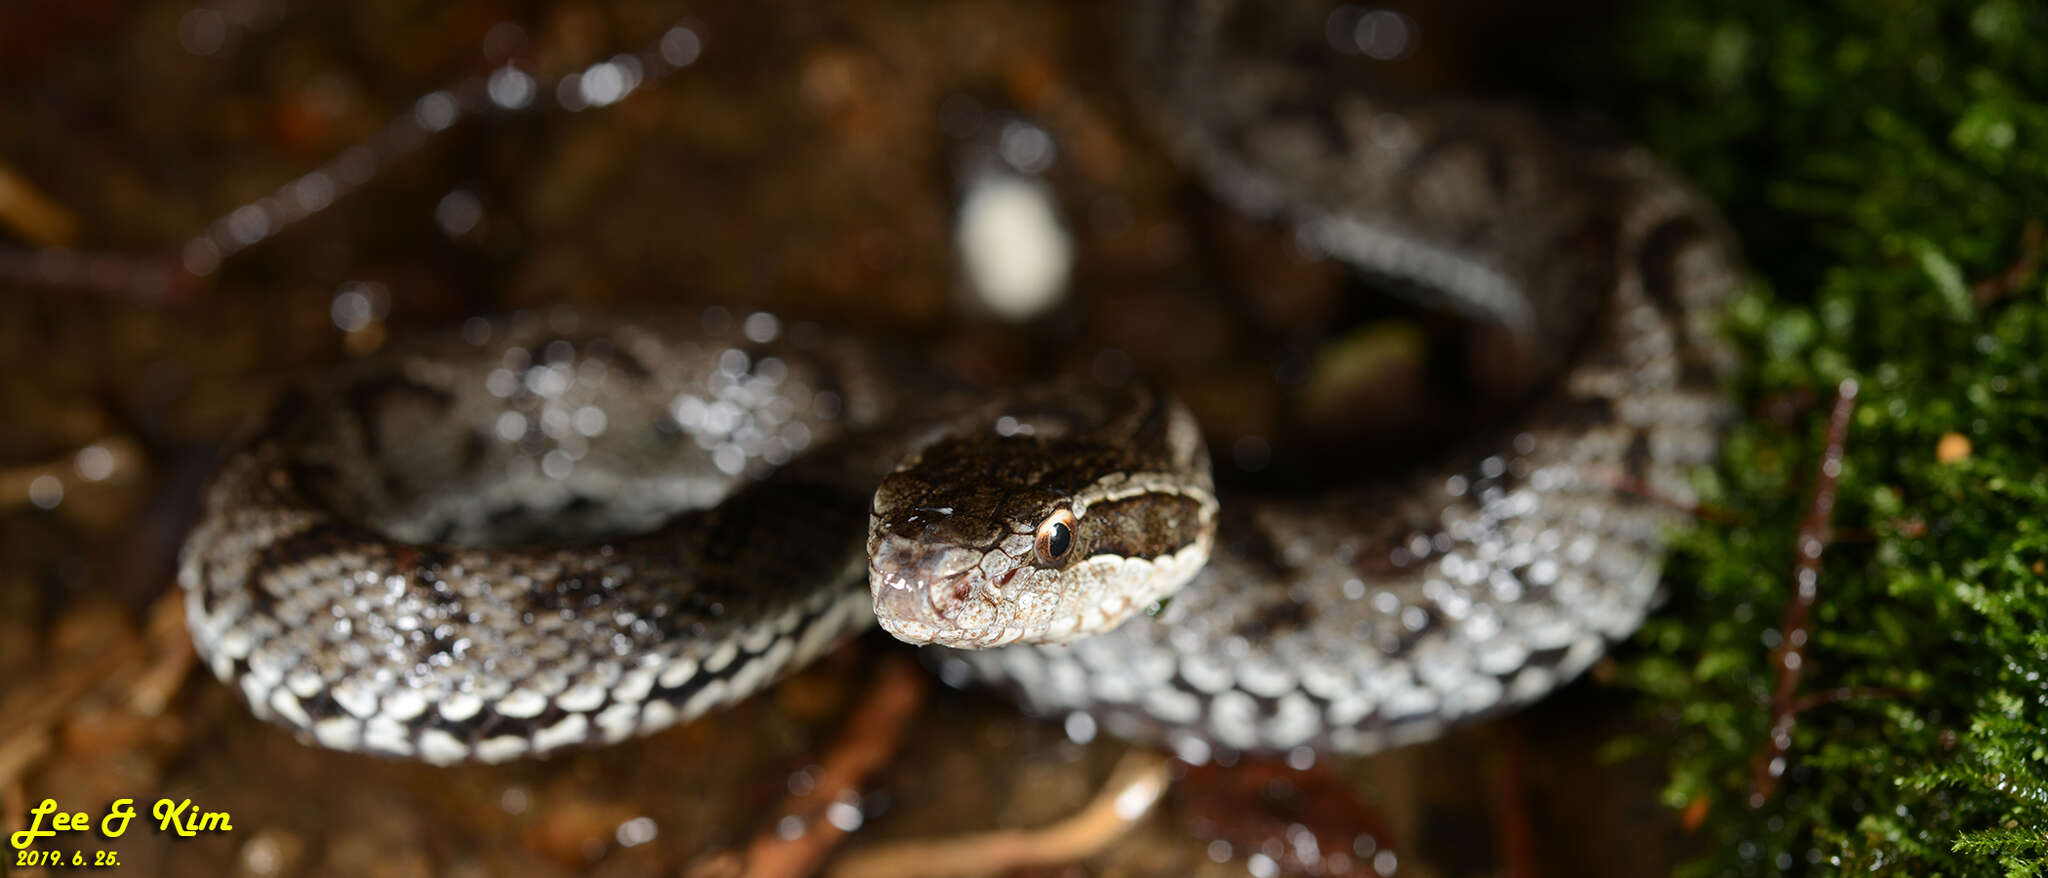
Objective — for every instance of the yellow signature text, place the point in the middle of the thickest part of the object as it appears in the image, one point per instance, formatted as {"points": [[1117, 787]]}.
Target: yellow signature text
{"points": [[179, 816], [185, 820]]}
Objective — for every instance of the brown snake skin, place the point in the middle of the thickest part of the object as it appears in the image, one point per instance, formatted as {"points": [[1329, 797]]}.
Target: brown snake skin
{"points": [[566, 528]]}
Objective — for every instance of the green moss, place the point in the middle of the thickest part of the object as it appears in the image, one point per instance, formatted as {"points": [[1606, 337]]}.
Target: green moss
{"points": [[1882, 159]]}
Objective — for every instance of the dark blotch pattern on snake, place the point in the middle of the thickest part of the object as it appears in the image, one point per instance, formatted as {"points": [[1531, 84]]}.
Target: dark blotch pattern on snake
{"points": [[570, 528]]}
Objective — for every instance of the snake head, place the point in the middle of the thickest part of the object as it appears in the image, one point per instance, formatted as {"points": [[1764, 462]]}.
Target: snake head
{"points": [[1041, 533], [952, 556]]}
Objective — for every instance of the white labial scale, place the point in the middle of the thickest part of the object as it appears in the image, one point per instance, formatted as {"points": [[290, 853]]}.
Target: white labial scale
{"points": [[994, 563], [1095, 618], [910, 632]]}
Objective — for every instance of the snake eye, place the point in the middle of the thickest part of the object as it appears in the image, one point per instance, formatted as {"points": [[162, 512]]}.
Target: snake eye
{"points": [[1056, 537]]}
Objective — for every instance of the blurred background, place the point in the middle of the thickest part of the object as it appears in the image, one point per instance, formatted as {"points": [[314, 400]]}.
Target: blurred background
{"points": [[200, 201]]}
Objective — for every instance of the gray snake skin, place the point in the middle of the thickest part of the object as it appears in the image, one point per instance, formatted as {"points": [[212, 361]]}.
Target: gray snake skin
{"points": [[565, 528]]}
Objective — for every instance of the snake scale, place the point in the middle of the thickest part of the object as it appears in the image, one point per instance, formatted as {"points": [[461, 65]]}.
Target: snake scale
{"points": [[568, 528]]}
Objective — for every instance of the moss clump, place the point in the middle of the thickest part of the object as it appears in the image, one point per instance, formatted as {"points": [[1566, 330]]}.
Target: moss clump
{"points": [[1885, 160]]}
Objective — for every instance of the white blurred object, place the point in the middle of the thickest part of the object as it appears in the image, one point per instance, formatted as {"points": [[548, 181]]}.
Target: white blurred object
{"points": [[1016, 252]]}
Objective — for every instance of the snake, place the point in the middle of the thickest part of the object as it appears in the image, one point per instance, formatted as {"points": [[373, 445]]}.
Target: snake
{"points": [[568, 527]]}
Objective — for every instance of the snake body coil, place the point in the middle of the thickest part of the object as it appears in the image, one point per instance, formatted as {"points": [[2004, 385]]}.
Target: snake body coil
{"points": [[569, 528]]}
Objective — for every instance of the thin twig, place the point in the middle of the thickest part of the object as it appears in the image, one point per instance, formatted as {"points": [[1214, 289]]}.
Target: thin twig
{"points": [[1908, 527], [1133, 787], [33, 215], [152, 689], [1789, 657], [869, 741], [1845, 693], [2015, 276]]}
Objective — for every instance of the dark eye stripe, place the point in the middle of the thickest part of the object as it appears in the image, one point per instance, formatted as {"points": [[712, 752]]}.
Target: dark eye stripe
{"points": [[1145, 526]]}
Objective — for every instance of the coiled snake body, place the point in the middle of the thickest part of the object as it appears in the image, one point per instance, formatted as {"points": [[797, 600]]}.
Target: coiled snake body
{"points": [[569, 528]]}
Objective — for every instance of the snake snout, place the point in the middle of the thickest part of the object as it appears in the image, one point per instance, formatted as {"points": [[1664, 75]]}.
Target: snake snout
{"points": [[919, 587]]}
